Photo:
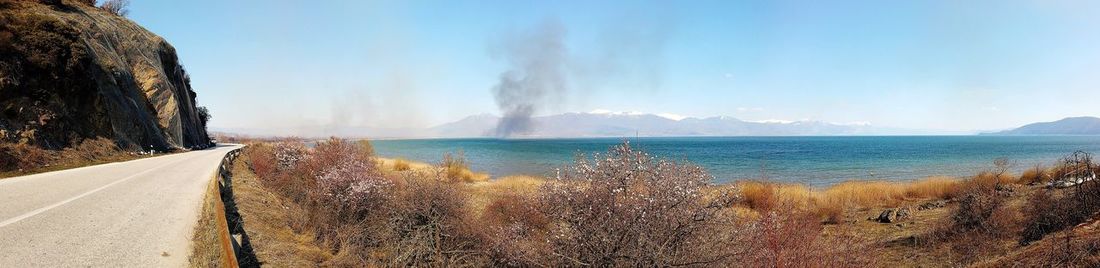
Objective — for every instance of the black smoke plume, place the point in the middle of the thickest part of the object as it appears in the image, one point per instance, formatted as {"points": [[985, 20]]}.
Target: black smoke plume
{"points": [[536, 76]]}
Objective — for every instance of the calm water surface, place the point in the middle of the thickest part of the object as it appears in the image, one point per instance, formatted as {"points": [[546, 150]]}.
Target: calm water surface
{"points": [[817, 161]]}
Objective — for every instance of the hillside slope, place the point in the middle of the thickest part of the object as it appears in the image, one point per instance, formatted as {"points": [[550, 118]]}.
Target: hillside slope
{"points": [[70, 72], [1068, 126]]}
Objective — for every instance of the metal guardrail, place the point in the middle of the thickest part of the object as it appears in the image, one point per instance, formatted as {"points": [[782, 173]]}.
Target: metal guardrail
{"points": [[230, 244]]}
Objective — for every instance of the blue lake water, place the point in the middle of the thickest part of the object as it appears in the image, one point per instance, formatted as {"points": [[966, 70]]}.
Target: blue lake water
{"points": [[817, 161]]}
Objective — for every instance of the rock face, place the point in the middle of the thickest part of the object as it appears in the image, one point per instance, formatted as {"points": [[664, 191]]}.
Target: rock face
{"points": [[892, 215], [70, 71]]}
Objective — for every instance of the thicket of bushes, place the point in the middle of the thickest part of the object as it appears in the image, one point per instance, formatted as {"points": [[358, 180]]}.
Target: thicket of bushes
{"points": [[622, 208], [627, 208], [1049, 212], [984, 219]]}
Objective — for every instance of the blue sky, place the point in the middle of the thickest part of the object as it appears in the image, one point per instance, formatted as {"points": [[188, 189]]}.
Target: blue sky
{"points": [[938, 65]]}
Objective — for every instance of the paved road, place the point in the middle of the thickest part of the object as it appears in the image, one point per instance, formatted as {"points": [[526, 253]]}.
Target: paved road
{"points": [[138, 213]]}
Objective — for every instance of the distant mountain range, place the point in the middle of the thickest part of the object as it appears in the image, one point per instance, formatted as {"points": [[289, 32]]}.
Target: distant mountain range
{"points": [[1069, 126], [629, 124], [611, 124], [596, 124]]}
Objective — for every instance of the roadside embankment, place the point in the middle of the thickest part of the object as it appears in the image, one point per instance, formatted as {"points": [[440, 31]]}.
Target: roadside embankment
{"points": [[335, 204], [219, 239]]}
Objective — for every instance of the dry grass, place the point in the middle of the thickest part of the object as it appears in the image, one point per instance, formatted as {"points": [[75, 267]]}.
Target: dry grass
{"points": [[206, 250], [1036, 175], [790, 237], [992, 179], [456, 169], [830, 203], [23, 159], [1078, 247], [453, 168], [20, 158], [392, 164], [269, 218], [484, 193], [515, 183], [869, 193], [401, 165]]}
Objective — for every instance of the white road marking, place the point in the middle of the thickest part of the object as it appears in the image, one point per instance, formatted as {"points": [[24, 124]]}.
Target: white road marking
{"points": [[66, 201]]}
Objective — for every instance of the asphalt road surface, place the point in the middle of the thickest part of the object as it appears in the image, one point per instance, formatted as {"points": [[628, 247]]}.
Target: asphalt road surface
{"points": [[139, 213]]}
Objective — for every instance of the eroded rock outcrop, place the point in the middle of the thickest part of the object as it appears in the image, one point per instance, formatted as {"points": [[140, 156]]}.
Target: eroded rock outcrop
{"points": [[893, 215], [70, 71]]}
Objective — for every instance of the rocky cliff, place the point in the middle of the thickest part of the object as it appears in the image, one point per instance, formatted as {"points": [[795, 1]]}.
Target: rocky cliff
{"points": [[69, 71]]}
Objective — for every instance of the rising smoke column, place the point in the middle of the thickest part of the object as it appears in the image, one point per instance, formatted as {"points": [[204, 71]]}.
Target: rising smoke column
{"points": [[536, 77]]}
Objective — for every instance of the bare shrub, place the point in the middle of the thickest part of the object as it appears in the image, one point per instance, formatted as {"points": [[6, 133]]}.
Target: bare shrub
{"points": [[848, 246], [15, 157], [976, 211], [337, 183], [1047, 213], [91, 150], [429, 226], [117, 7], [981, 220], [515, 231], [281, 169], [455, 167], [790, 237], [350, 187], [1035, 175], [780, 239], [325, 154], [1074, 167], [347, 186], [991, 179], [288, 154], [984, 212], [261, 160], [627, 208], [1065, 250]]}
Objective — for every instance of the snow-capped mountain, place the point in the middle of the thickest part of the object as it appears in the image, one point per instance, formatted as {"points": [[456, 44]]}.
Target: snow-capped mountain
{"points": [[602, 123], [599, 123]]}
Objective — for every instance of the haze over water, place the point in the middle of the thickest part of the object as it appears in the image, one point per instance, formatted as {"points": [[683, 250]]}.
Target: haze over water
{"points": [[816, 161]]}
